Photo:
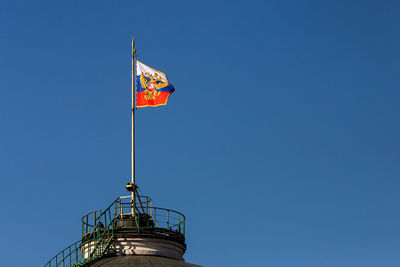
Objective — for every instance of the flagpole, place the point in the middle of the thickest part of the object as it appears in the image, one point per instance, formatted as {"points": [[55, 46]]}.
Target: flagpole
{"points": [[133, 192]]}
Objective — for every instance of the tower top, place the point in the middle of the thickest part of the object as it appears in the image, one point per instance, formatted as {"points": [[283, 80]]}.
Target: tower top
{"points": [[115, 231]]}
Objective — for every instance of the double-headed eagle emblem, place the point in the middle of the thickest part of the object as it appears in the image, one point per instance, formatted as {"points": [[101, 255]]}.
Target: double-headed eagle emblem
{"points": [[152, 83]]}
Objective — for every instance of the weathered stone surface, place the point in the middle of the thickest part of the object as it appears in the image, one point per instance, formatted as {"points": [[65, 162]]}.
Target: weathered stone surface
{"points": [[137, 245], [140, 261]]}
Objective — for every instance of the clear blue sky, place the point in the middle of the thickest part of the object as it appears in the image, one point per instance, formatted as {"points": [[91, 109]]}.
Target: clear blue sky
{"points": [[280, 145]]}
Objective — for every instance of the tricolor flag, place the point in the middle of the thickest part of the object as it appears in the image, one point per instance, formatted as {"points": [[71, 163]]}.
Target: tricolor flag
{"points": [[152, 87]]}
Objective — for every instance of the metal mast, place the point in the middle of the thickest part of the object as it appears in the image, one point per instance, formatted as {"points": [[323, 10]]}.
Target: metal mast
{"points": [[133, 192]]}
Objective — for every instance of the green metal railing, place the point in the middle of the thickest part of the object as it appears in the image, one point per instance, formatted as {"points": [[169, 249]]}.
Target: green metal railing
{"points": [[94, 246], [68, 257], [146, 217], [99, 227], [158, 219]]}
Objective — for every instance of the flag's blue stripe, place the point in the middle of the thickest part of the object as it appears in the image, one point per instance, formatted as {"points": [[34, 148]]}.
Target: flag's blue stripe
{"points": [[139, 87]]}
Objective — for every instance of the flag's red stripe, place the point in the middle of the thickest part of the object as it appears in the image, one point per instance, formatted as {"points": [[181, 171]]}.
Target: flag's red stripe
{"points": [[159, 100]]}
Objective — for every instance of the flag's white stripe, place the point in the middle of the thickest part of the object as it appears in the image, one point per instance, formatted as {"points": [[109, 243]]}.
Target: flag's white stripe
{"points": [[144, 68]]}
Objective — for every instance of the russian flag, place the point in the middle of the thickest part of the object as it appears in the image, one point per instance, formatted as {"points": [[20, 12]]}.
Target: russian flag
{"points": [[152, 87]]}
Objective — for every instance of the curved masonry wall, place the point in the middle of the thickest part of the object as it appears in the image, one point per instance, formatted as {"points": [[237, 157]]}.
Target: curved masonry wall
{"points": [[141, 246]]}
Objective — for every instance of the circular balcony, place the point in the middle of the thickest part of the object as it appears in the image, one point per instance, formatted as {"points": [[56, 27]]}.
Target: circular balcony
{"points": [[129, 227], [126, 227], [144, 219]]}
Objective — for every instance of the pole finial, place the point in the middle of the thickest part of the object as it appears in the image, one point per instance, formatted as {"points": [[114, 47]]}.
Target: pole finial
{"points": [[133, 45]]}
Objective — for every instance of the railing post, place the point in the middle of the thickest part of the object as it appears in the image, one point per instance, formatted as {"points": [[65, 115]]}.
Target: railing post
{"points": [[109, 218], [155, 217], [184, 222], [69, 255], [120, 209], [168, 218], [179, 223], [105, 220], [137, 223]]}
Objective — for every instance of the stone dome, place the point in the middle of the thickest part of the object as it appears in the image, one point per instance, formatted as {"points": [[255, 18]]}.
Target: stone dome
{"points": [[140, 261]]}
